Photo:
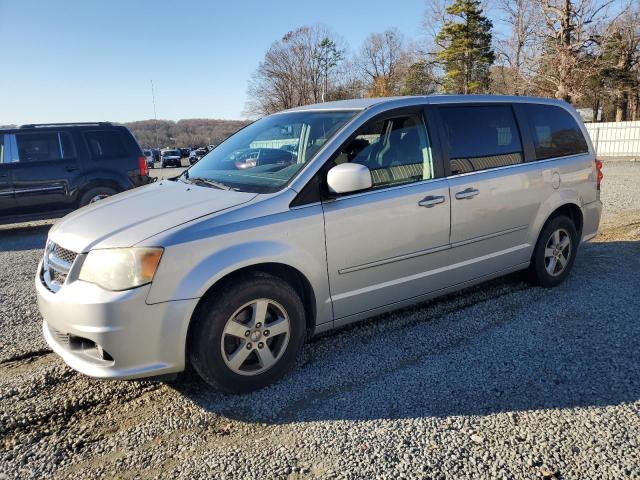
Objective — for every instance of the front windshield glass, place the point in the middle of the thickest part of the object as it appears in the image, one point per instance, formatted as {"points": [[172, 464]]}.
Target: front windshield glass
{"points": [[264, 156], [171, 153]]}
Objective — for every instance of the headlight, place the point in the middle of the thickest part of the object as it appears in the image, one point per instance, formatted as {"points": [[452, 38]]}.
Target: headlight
{"points": [[121, 268]]}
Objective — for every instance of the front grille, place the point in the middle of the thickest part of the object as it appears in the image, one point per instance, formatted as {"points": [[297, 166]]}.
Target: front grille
{"points": [[56, 265], [63, 254]]}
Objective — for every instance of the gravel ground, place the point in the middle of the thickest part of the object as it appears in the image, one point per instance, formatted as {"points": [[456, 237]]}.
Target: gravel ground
{"points": [[503, 380]]}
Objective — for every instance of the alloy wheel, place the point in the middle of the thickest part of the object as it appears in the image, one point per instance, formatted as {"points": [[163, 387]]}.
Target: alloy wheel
{"points": [[255, 337], [557, 252]]}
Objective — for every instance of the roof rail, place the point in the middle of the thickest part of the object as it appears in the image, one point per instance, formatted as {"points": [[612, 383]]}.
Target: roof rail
{"points": [[65, 124]]}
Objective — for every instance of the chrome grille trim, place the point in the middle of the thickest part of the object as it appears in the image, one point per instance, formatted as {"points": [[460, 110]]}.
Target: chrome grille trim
{"points": [[56, 265]]}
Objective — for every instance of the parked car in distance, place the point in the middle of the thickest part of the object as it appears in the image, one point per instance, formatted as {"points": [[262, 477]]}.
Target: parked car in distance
{"points": [[389, 202], [184, 152], [148, 154], [196, 155], [171, 158], [211, 147], [49, 170]]}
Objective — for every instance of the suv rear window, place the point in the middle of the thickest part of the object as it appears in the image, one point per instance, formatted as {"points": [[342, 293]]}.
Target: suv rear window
{"points": [[481, 137], [555, 132], [44, 146], [105, 144]]}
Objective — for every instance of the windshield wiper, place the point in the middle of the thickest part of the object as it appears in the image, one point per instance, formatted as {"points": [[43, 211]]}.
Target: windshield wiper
{"points": [[209, 183]]}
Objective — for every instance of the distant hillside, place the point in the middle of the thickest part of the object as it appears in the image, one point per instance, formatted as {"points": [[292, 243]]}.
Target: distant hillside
{"points": [[183, 133]]}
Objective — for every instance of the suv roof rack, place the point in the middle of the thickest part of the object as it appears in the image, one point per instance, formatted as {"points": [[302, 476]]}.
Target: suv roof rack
{"points": [[65, 124]]}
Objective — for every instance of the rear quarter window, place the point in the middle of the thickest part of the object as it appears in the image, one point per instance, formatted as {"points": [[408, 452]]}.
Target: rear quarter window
{"points": [[554, 131], [106, 144]]}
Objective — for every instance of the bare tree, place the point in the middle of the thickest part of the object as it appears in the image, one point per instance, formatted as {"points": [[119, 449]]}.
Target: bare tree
{"points": [[573, 31], [621, 57], [516, 53], [296, 70], [383, 60]]}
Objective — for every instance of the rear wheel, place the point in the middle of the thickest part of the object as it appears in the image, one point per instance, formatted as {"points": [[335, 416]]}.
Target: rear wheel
{"points": [[248, 335], [555, 252], [95, 194]]}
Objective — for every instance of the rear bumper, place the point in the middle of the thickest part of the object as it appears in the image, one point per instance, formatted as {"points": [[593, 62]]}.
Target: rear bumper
{"points": [[114, 334], [591, 213]]}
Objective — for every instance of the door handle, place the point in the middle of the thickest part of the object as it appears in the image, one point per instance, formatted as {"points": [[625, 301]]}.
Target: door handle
{"points": [[467, 193], [71, 168], [431, 201]]}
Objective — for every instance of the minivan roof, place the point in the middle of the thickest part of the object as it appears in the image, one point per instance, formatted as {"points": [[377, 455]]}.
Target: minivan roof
{"points": [[364, 103]]}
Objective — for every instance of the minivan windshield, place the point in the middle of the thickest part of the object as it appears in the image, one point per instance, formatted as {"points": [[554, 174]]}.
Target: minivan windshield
{"points": [[265, 155]]}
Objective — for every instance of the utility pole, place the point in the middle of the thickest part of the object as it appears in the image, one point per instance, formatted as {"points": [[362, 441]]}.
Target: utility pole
{"points": [[155, 115]]}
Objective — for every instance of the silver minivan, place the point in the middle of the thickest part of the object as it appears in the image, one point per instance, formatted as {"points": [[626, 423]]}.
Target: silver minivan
{"points": [[313, 218]]}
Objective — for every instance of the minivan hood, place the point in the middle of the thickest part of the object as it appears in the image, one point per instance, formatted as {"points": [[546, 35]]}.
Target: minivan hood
{"points": [[130, 217]]}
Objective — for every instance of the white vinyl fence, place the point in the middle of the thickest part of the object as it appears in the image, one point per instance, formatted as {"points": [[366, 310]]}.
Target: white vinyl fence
{"points": [[615, 139]]}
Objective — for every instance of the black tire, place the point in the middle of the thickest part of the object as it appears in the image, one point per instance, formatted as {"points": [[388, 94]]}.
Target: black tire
{"points": [[163, 165], [538, 269], [205, 345], [95, 194]]}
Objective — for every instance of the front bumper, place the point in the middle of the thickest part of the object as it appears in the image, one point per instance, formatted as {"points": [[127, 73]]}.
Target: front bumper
{"points": [[114, 334]]}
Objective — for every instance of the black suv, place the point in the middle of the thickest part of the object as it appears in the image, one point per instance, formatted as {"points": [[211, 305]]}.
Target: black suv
{"points": [[48, 170]]}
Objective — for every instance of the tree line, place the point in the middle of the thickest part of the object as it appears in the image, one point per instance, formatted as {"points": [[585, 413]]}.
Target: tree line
{"points": [[183, 133], [586, 52]]}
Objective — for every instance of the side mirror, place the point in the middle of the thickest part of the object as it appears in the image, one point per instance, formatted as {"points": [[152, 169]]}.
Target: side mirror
{"points": [[348, 177]]}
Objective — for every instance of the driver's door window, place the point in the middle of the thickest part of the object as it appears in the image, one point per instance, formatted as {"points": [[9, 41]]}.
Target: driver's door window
{"points": [[396, 150]]}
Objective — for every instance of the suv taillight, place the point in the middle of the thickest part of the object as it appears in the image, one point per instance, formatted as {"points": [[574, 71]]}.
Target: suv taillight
{"points": [[144, 170], [599, 175]]}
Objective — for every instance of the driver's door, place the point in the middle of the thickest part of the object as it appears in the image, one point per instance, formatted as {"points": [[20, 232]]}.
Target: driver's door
{"points": [[391, 242]]}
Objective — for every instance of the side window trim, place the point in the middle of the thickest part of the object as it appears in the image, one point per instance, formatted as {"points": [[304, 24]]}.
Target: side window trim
{"points": [[525, 132], [11, 153]]}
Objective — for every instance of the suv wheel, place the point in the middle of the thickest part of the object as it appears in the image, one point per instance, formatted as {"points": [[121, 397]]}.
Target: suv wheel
{"points": [[555, 252], [96, 194], [248, 335]]}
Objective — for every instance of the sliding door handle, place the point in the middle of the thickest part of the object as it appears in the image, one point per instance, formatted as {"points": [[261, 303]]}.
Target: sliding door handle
{"points": [[467, 193], [431, 201]]}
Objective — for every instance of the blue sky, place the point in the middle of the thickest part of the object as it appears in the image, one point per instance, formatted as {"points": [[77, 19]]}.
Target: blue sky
{"points": [[90, 60]]}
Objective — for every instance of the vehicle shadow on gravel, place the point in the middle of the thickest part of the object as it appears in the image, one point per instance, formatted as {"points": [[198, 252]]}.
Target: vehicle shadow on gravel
{"points": [[23, 237], [504, 346]]}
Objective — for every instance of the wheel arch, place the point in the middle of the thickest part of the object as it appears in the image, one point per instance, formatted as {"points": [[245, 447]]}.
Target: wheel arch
{"points": [[569, 209], [289, 274]]}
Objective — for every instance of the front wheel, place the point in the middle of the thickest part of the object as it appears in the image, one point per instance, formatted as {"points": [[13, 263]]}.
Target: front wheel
{"points": [[555, 252], [248, 334]]}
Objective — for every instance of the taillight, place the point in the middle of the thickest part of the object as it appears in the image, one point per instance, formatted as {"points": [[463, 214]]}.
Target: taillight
{"points": [[599, 175], [144, 169]]}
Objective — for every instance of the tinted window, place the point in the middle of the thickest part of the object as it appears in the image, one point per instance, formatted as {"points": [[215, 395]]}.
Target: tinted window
{"points": [[479, 137], [44, 146], [105, 145], [396, 150], [555, 132]]}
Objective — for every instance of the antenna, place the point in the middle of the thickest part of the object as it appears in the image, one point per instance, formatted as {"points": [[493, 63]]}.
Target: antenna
{"points": [[155, 115]]}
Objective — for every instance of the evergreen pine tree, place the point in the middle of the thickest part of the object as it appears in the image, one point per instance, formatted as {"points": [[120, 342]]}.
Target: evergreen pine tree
{"points": [[467, 55]]}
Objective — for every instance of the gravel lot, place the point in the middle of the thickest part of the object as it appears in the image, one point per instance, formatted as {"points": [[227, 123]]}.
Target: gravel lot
{"points": [[502, 380]]}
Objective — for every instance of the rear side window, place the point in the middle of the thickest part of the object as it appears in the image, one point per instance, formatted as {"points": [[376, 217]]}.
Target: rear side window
{"points": [[44, 146], [555, 132], [481, 137], [105, 145]]}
